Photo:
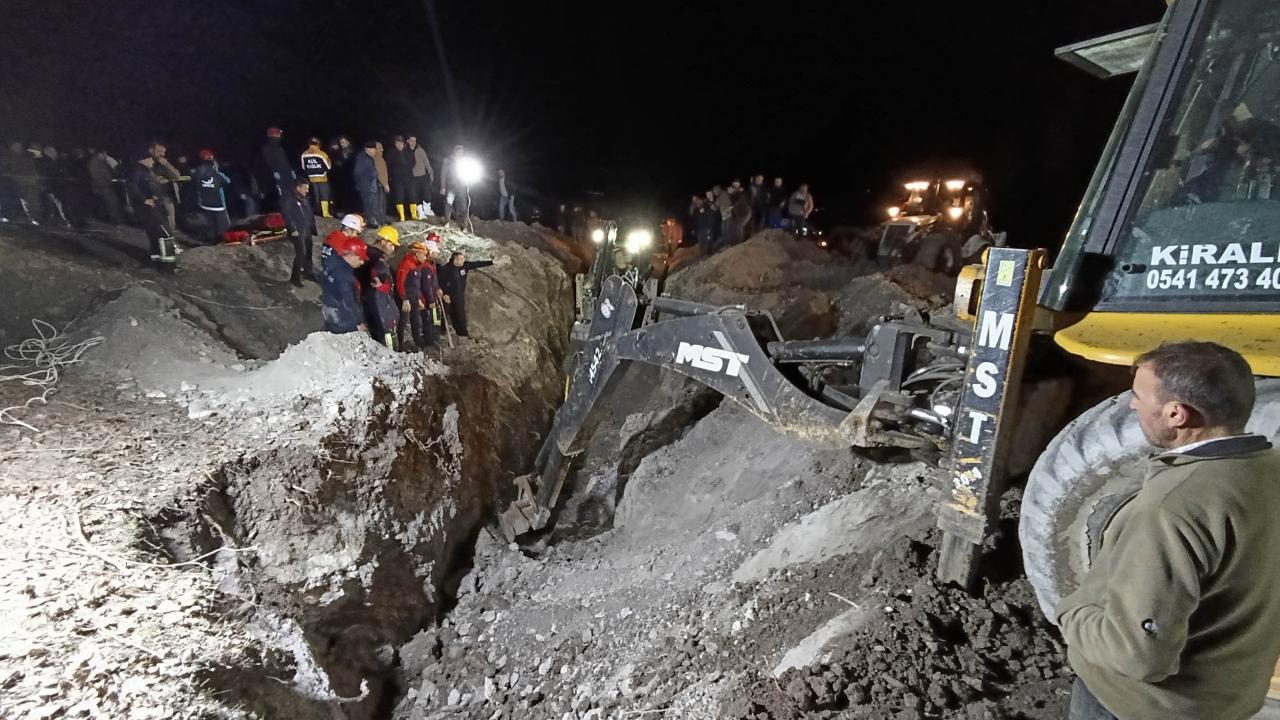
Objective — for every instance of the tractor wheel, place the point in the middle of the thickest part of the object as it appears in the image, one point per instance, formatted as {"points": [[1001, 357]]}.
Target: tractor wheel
{"points": [[939, 253], [1096, 462]]}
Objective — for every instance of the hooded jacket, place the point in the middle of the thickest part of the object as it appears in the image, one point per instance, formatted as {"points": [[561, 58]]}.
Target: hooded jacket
{"points": [[1179, 617]]}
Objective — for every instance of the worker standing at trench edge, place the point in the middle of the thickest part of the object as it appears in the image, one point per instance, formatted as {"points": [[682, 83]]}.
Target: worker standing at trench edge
{"points": [[453, 285], [342, 253], [1179, 616], [378, 284], [301, 223], [411, 287]]}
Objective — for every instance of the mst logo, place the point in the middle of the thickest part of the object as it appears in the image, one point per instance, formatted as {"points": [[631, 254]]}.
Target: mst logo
{"points": [[711, 359]]}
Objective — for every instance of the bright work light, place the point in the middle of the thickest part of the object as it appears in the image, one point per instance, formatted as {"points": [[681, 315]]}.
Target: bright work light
{"points": [[469, 170]]}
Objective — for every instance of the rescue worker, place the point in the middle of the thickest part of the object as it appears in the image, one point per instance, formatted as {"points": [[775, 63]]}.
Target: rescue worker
{"points": [[316, 166], [453, 285], [400, 175], [424, 178], [799, 207], [211, 195], [1177, 616], [706, 220], [343, 154], [758, 196], [416, 287], [365, 175], [276, 164], [378, 283], [340, 291], [142, 186], [301, 223]]}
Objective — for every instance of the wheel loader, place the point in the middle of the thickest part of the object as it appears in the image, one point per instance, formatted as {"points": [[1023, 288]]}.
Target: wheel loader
{"points": [[940, 224], [1177, 237]]}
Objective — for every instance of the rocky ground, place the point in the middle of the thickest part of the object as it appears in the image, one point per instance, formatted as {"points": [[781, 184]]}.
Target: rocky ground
{"points": [[221, 513]]}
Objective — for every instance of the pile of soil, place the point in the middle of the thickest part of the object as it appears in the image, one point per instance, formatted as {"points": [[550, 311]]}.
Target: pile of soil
{"points": [[933, 651]]}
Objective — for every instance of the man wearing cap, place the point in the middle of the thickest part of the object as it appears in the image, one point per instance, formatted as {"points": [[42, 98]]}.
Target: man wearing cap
{"points": [[301, 223], [150, 215], [316, 166], [377, 283], [211, 195], [342, 253]]}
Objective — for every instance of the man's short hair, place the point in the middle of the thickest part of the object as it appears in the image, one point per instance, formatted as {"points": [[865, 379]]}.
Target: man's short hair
{"points": [[1215, 380]]}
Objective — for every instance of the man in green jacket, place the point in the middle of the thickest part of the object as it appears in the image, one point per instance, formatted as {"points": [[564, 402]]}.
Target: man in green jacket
{"points": [[1179, 616]]}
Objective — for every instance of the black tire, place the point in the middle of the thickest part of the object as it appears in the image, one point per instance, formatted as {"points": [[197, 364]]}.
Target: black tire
{"points": [[1095, 461], [939, 253]]}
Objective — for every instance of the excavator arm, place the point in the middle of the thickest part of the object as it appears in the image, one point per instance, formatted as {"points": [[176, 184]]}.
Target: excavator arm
{"points": [[742, 355]]}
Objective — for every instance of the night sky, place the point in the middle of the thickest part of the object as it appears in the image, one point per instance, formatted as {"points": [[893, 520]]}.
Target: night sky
{"points": [[646, 102]]}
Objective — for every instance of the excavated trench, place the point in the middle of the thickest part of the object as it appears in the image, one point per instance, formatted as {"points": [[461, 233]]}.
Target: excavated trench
{"points": [[362, 543], [361, 530]]}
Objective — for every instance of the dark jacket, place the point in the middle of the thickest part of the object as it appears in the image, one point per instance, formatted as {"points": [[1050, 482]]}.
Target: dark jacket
{"points": [[706, 222], [400, 165], [277, 163], [141, 184], [1178, 616], [428, 281], [298, 216], [339, 294], [365, 174], [101, 175], [453, 279], [379, 302], [210, 185]]}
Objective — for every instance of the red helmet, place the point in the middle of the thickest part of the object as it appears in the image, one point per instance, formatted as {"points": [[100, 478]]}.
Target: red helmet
{"points": [[433, 236], [355, 246], [274, 132], [206, 155]]}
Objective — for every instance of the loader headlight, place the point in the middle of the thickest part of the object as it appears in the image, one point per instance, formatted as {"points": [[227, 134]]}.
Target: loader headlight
{"points": [[955, 185], [597, 236], [955, 213], [894, 211], [638, 240]]}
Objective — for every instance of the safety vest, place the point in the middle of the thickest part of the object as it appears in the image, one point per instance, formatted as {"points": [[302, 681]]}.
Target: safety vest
{"points": [[316, 165]]}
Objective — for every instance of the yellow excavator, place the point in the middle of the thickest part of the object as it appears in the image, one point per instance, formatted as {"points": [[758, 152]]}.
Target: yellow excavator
{"points": [[1177, 237]]}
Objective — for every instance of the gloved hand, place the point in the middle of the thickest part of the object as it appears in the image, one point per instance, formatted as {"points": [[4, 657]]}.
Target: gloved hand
{"points": [[404, 306], [447, 301]]}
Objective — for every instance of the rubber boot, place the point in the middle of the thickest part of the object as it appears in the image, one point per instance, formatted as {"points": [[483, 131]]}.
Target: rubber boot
{"points": [[413, 211], [324, 209], [400, 210]]}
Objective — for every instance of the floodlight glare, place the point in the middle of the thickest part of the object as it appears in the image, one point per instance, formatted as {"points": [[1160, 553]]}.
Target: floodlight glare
{"points": [[597, 236], [469, 170]]}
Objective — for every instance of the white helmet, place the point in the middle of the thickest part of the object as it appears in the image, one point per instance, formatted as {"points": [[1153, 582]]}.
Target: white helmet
{"points": [[354, 222], [432, 246]]}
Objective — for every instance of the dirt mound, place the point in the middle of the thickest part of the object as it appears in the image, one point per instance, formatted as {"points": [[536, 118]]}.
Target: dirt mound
{"points": [[930, 651]]}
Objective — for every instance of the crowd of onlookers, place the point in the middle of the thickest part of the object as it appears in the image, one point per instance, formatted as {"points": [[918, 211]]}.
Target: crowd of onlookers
{"points": [[728, 215], [199, 194]]}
